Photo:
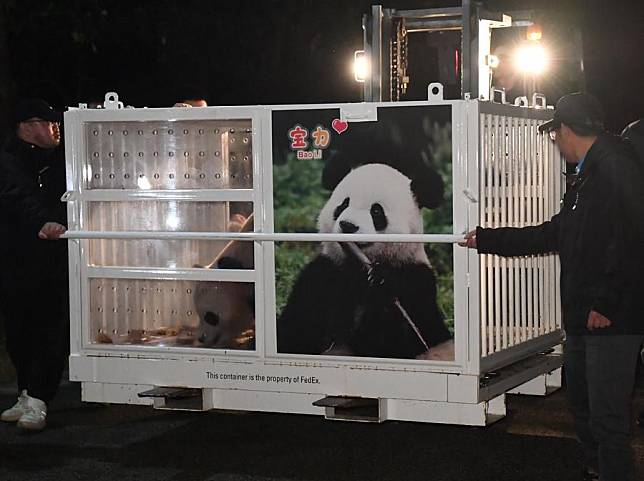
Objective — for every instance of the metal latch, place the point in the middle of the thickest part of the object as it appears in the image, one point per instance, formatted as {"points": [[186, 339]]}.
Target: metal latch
{"points": [[539, 101], [435, 91], [69, 196], [112, 101], [493, 95], [470, 196], [366, 112]]}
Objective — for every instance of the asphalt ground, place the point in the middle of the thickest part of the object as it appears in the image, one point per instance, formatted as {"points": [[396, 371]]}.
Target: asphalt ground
{"points": [[116, 442]]}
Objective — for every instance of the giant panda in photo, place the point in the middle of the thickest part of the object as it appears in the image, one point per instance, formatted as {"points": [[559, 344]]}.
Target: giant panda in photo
{"points": [[386, 307]]}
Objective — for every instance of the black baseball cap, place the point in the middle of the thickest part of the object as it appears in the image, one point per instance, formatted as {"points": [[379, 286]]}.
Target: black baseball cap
{"points": [[579, 110], [29, 108]]}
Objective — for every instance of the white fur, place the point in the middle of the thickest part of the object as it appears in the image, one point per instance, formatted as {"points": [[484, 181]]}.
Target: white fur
{"points": [[365, 186], [228, 300]]}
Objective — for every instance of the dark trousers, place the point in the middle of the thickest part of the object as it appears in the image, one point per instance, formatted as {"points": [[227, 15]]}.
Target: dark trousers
{"points": [[37, 330], [600, 375]]}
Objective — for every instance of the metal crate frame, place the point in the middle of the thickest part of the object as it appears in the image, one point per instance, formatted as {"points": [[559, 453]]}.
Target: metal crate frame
{"points": [[436, 391]]}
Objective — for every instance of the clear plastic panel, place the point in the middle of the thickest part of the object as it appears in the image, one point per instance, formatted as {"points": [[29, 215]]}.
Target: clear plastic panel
{"points": [[182, 154], [218, 315], [170, 216]]}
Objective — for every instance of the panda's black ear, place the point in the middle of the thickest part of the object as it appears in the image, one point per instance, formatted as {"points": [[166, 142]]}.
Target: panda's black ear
{"points": [[336, 168], [427, 187]]}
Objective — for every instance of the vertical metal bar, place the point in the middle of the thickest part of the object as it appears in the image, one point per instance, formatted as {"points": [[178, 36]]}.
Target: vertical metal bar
{"points": [[510, 222], [490, 223], [554, 197], [469, 51], [559, 179], [497, 223], [545, 298], [483, 206], [535, 220], [367, 95], [529, 221], [503, 214], [376, 53], [512, 198], [540, 258], [385, 57], [521, 223], [517, 206]]}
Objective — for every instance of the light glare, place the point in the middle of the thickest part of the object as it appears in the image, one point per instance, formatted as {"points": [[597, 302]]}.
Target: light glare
{"points": [[360, 66], [531, 59]]}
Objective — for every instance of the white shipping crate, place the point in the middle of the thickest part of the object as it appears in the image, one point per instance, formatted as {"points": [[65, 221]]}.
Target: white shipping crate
{"points": [[188, 228]]}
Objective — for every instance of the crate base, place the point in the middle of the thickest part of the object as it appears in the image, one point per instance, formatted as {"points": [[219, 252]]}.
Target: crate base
{"points": [[380, 410]]}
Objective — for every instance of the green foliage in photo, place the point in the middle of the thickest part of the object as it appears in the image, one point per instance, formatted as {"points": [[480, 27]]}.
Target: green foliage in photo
{"points": [[298, 197]]}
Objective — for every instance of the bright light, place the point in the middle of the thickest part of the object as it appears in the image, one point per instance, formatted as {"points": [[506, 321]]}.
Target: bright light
{"points": [[360, 66], [531, 59]]}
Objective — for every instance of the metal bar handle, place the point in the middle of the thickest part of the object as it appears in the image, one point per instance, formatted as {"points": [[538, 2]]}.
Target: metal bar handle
{"points": [[263, 237]]}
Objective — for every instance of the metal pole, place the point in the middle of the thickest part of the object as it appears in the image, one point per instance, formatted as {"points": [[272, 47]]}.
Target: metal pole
{"points": [[376, 53], [265, 237]]}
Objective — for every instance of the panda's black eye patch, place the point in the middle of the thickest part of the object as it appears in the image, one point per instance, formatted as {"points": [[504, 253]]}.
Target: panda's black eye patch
{"points": [[338, 210], [211, 319], [379, 217]]}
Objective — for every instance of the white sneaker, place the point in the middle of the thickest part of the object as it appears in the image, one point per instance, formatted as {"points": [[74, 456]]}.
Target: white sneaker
{"points": [[14, 413], [35, 416]]}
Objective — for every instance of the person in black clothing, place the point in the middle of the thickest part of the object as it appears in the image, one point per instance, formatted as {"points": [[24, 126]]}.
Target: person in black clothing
{"points": [[634, 133], [596, 234], [34, 275]]}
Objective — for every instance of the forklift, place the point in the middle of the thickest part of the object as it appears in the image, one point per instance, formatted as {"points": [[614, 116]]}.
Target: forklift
{"points": [[472, 51]]}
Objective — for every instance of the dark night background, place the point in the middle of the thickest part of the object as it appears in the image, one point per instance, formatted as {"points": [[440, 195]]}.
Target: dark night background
{"points": [[257, 52]]}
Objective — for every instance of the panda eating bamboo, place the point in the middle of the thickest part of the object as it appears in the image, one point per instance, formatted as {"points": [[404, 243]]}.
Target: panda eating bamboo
{"points": [[370, 299]]}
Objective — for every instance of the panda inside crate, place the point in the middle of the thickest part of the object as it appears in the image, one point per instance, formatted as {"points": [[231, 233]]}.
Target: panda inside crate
{"points": [[370, 299], [227, 309]]}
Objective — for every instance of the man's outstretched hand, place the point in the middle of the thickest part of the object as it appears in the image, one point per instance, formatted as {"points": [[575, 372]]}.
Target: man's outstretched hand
{"points": [[52, 231], [469, 241]]}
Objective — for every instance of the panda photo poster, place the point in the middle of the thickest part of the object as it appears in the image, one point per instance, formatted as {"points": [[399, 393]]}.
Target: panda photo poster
{"points": [[390, 176]]}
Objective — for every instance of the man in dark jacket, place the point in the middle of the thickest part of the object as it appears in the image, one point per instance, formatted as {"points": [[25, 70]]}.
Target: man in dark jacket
{"points": [[34, 275], [634, 133], [597, 233]]}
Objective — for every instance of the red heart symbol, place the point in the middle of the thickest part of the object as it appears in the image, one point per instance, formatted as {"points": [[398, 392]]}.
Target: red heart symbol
{"points": [[339, 125]]}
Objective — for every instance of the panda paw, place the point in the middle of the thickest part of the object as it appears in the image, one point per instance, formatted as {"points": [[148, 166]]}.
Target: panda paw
{"points": [[380, 277]]}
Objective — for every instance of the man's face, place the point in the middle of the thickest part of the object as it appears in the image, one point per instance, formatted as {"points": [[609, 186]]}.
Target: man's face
{"points": [[562, 137], [43, 133]]}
